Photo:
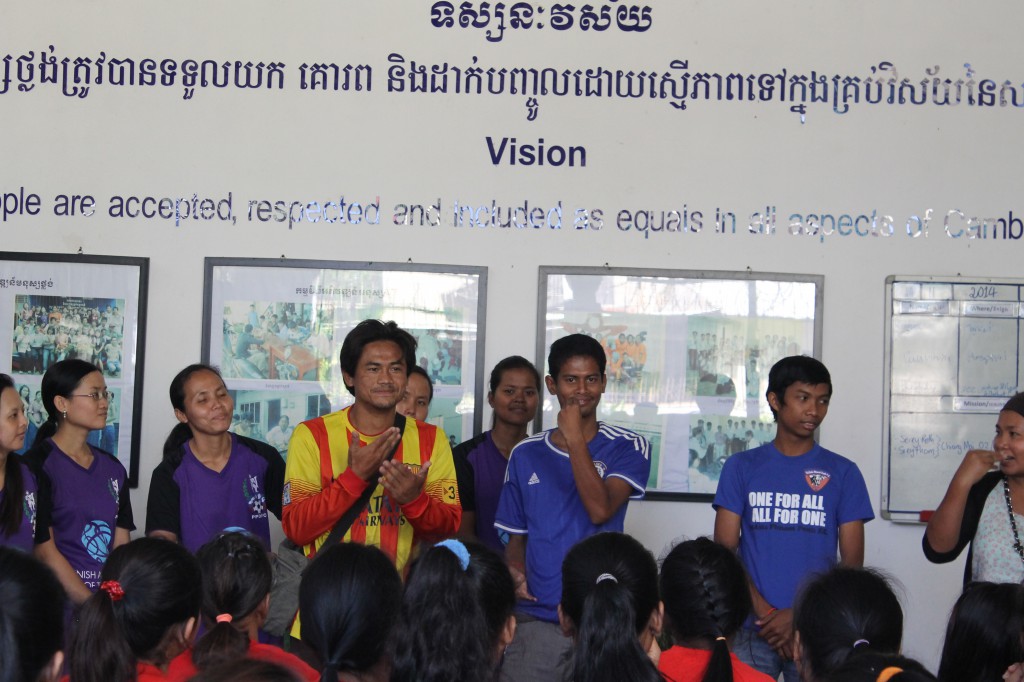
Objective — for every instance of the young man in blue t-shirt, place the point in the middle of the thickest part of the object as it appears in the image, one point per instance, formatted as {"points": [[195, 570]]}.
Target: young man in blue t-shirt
{"points": [[786, 506], [561, 486]]}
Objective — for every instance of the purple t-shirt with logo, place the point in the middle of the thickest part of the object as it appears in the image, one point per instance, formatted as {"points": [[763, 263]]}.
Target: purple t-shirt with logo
{"points": [[488, 469], [31, 530], [88, 504], [196, 503]]}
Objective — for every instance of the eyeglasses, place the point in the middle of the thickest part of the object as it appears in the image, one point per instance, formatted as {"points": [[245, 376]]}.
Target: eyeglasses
{"points": [[104, 395]]}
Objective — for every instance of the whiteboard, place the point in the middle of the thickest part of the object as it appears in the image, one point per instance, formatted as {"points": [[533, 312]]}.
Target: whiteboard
{"points": [[952, 358]]}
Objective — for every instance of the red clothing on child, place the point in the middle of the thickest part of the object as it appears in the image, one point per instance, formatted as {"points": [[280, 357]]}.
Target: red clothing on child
{"points": [[680, 664]]}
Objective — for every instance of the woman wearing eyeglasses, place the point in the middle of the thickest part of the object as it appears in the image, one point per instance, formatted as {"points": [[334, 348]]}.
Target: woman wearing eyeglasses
{"points": [[90, 511]]}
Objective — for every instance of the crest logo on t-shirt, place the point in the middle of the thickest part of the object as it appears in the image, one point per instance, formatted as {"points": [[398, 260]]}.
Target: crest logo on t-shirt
{"points": [[114, 489], [29, 509], [254, 498], [286, 498], [601, 468], [817, 479]]}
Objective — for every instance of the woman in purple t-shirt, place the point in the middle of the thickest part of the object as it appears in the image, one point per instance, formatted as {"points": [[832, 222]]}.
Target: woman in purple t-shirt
{"points": [[18, 490], [480, 462], [89, 511], [210, 479]]}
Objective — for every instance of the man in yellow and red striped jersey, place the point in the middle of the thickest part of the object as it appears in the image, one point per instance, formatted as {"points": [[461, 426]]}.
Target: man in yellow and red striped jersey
{"points": [[331, 459]]}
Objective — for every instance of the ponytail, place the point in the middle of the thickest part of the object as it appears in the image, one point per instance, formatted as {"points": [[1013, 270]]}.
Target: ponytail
{"points": [[47, 430], [99, 649], [149, 587], [606, 642], [176, 439], [222, 642], [11, 512], [704, 589], [720, 666], [609, 592], [236, 580]]}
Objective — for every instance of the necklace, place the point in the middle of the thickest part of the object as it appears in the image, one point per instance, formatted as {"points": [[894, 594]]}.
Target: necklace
{"points": [[1013, 524]]}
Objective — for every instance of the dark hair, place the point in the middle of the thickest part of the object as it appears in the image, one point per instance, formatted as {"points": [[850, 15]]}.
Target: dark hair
{"points": [[246, 670], [31, 616], [452, 617], [984, 633], [844, 609], [795, 369], [11, 512], [349, 599], [182, 432], [704, 589], [571, 346], [159, 584], [369, 331], [236, 580], [509, 363], [609, 590], [61, 379], [416, 369], [867, 666]]}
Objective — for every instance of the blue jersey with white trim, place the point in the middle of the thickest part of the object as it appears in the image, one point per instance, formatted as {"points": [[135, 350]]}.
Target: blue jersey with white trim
{"points": [[539, 499]]}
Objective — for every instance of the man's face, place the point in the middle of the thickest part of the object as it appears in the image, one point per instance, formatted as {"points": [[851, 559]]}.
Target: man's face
{"points": [[804, 407], [380, 376], [580, 381]]}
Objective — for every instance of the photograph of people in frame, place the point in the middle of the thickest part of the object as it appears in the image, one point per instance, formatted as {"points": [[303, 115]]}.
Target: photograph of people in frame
{"points": [[47, 329]]}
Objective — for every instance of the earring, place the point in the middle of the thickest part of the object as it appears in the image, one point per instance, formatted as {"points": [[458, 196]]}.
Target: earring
{"points": [[65, 414]]}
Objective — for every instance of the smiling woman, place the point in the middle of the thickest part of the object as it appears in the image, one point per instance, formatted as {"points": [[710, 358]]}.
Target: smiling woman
{"points": [[983, 505], [210, 479], [91, 512], [480, 462]]}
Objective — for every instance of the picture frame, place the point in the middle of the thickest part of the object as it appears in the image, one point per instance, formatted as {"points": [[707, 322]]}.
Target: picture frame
{"points": [[688, 354], [92, 307], [275, 329]]}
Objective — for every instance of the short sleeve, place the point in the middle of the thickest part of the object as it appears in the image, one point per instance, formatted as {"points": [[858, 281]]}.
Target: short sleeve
{"points": [[125, 518], [273, 482], [163, 508], [465, 475], [730, 493], [632, 463], [856, 503], [510, 516], [44, 503]]}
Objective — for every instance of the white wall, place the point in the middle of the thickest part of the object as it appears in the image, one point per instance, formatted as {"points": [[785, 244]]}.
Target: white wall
{"points": [[291, 144]]}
